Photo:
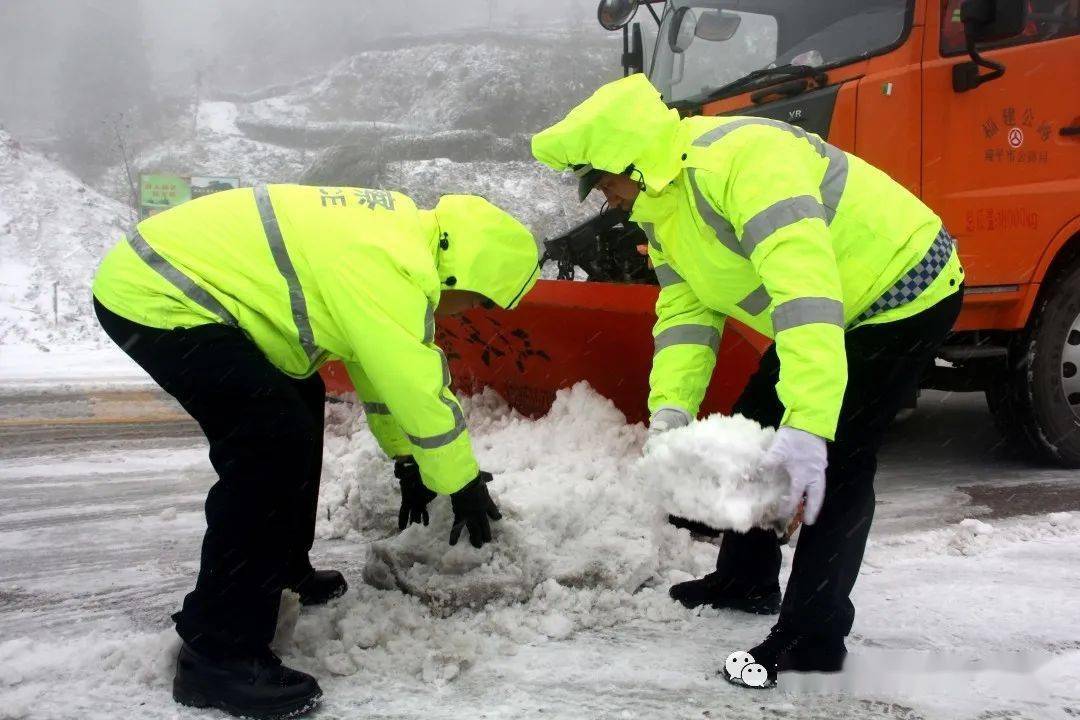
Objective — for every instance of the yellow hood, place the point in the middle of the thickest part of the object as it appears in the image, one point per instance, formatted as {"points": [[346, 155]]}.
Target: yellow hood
{"points": [[484, 249], [623, 123]]}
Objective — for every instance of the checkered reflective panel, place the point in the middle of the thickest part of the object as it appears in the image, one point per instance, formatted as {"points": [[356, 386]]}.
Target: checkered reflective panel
{"points": [[915, 280]]}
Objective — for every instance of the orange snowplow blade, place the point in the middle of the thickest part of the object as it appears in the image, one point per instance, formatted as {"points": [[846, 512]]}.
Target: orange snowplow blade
{"points": [[565, 332]]}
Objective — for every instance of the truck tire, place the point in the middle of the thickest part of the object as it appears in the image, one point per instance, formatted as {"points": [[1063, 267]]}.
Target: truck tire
{"points": [[1038, 405]]}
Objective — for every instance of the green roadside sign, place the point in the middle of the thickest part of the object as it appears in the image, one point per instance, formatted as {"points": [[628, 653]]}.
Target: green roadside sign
{"points": [[163, 191], [160, 192]]}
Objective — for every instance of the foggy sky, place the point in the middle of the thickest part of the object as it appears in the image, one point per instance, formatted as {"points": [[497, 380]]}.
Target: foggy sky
{"points": [[76, 61]]}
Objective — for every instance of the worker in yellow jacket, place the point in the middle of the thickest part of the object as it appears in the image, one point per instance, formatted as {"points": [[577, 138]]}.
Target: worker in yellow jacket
{"points": [[231, 303], [853, 277]]}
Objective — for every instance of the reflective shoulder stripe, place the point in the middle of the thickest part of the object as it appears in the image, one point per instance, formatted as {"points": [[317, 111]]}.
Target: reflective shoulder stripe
{"points": [[183, 283], [437, 441], [835, 180], [756, 302], [288, 271], [778, 215], [667, 275], [719, 133], [806, 311], [688, 335], [725, 231], [650, 232], [376, 408]]}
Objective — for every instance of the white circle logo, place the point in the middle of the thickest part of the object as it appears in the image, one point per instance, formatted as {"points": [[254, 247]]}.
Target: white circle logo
{"points": [[1016, 137]]}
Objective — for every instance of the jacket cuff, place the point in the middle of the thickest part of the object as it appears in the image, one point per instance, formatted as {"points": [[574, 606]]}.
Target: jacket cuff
{"points": [[815, 423]]}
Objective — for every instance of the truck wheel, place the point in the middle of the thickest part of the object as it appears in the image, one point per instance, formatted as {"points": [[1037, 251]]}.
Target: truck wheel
{"points": [[1039, 403]]}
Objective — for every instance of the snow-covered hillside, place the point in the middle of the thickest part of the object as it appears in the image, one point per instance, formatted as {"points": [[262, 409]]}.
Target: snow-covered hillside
{"points": [[450, 113], [500, 82], [53, 232], [429, 116], [465, 113]]}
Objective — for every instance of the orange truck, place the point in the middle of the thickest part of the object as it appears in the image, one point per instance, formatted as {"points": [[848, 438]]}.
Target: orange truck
{"points": [[973, 105]]}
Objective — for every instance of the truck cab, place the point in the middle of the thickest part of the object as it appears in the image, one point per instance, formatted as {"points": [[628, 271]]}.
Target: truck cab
{"points": [[974, 106]]}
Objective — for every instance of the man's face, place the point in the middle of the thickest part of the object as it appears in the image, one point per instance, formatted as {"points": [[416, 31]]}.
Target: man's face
{"points": [[620, 190], [455, 302]]}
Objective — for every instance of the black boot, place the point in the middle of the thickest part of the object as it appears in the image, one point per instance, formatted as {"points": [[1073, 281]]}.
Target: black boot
{"points": [[256, 686], [718, 591], [783, 651], [318, 587]]}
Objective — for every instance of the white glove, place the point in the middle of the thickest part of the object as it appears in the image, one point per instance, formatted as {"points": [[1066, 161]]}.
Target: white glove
{"points": [[668, 418], [803, 458]]}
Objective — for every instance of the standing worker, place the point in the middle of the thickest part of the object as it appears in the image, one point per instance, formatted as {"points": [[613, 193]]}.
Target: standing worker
{"points": [[853, 277], [231, 303]]}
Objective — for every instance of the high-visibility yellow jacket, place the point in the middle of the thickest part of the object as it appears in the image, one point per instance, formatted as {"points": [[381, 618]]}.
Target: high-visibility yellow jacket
{"points": [[312, 274], [761, 221]]}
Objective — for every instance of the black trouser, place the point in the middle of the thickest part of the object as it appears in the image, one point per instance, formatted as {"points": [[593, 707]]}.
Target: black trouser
{"points": [[266, 432], [885, 363]]}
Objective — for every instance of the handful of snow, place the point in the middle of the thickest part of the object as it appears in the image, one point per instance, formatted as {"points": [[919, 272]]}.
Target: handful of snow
{"points": [[708, 472]]}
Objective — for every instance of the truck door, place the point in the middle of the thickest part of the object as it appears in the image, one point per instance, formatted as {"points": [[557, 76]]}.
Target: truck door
{"points": [[999, 162]]}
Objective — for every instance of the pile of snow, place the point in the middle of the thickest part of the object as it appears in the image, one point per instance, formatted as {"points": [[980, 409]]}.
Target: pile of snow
{"points": [[53, 232], [708, 472], [971, 536], [38, 673], [582, 544]]}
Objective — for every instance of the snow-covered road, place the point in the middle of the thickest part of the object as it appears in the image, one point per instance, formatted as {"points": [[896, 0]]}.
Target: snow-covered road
{"points": [[967, 608]]}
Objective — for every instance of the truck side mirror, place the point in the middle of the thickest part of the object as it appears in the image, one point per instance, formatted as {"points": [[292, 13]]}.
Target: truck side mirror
{"points": [[682, 30], [986, 21], [616, 14]]}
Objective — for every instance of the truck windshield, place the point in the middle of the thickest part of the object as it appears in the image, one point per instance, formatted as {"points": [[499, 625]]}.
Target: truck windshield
{"points": [[703, 45]]}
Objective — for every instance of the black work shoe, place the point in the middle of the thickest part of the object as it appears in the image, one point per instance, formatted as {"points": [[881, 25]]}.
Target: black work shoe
{"points": [[256, 686], [716, 590], [319, 587], [784, 651]]}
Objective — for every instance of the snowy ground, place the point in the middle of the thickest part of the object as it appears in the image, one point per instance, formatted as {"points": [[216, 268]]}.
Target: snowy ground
{"points": [[25, 367], [967, 603]]}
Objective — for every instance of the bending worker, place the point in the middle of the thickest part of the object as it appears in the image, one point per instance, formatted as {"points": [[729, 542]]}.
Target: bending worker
{"points": [[231, 302], [853, 277]]}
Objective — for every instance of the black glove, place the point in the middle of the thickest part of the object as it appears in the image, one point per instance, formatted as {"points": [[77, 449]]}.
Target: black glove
{"points": [[474, 509], [415, 496]]}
